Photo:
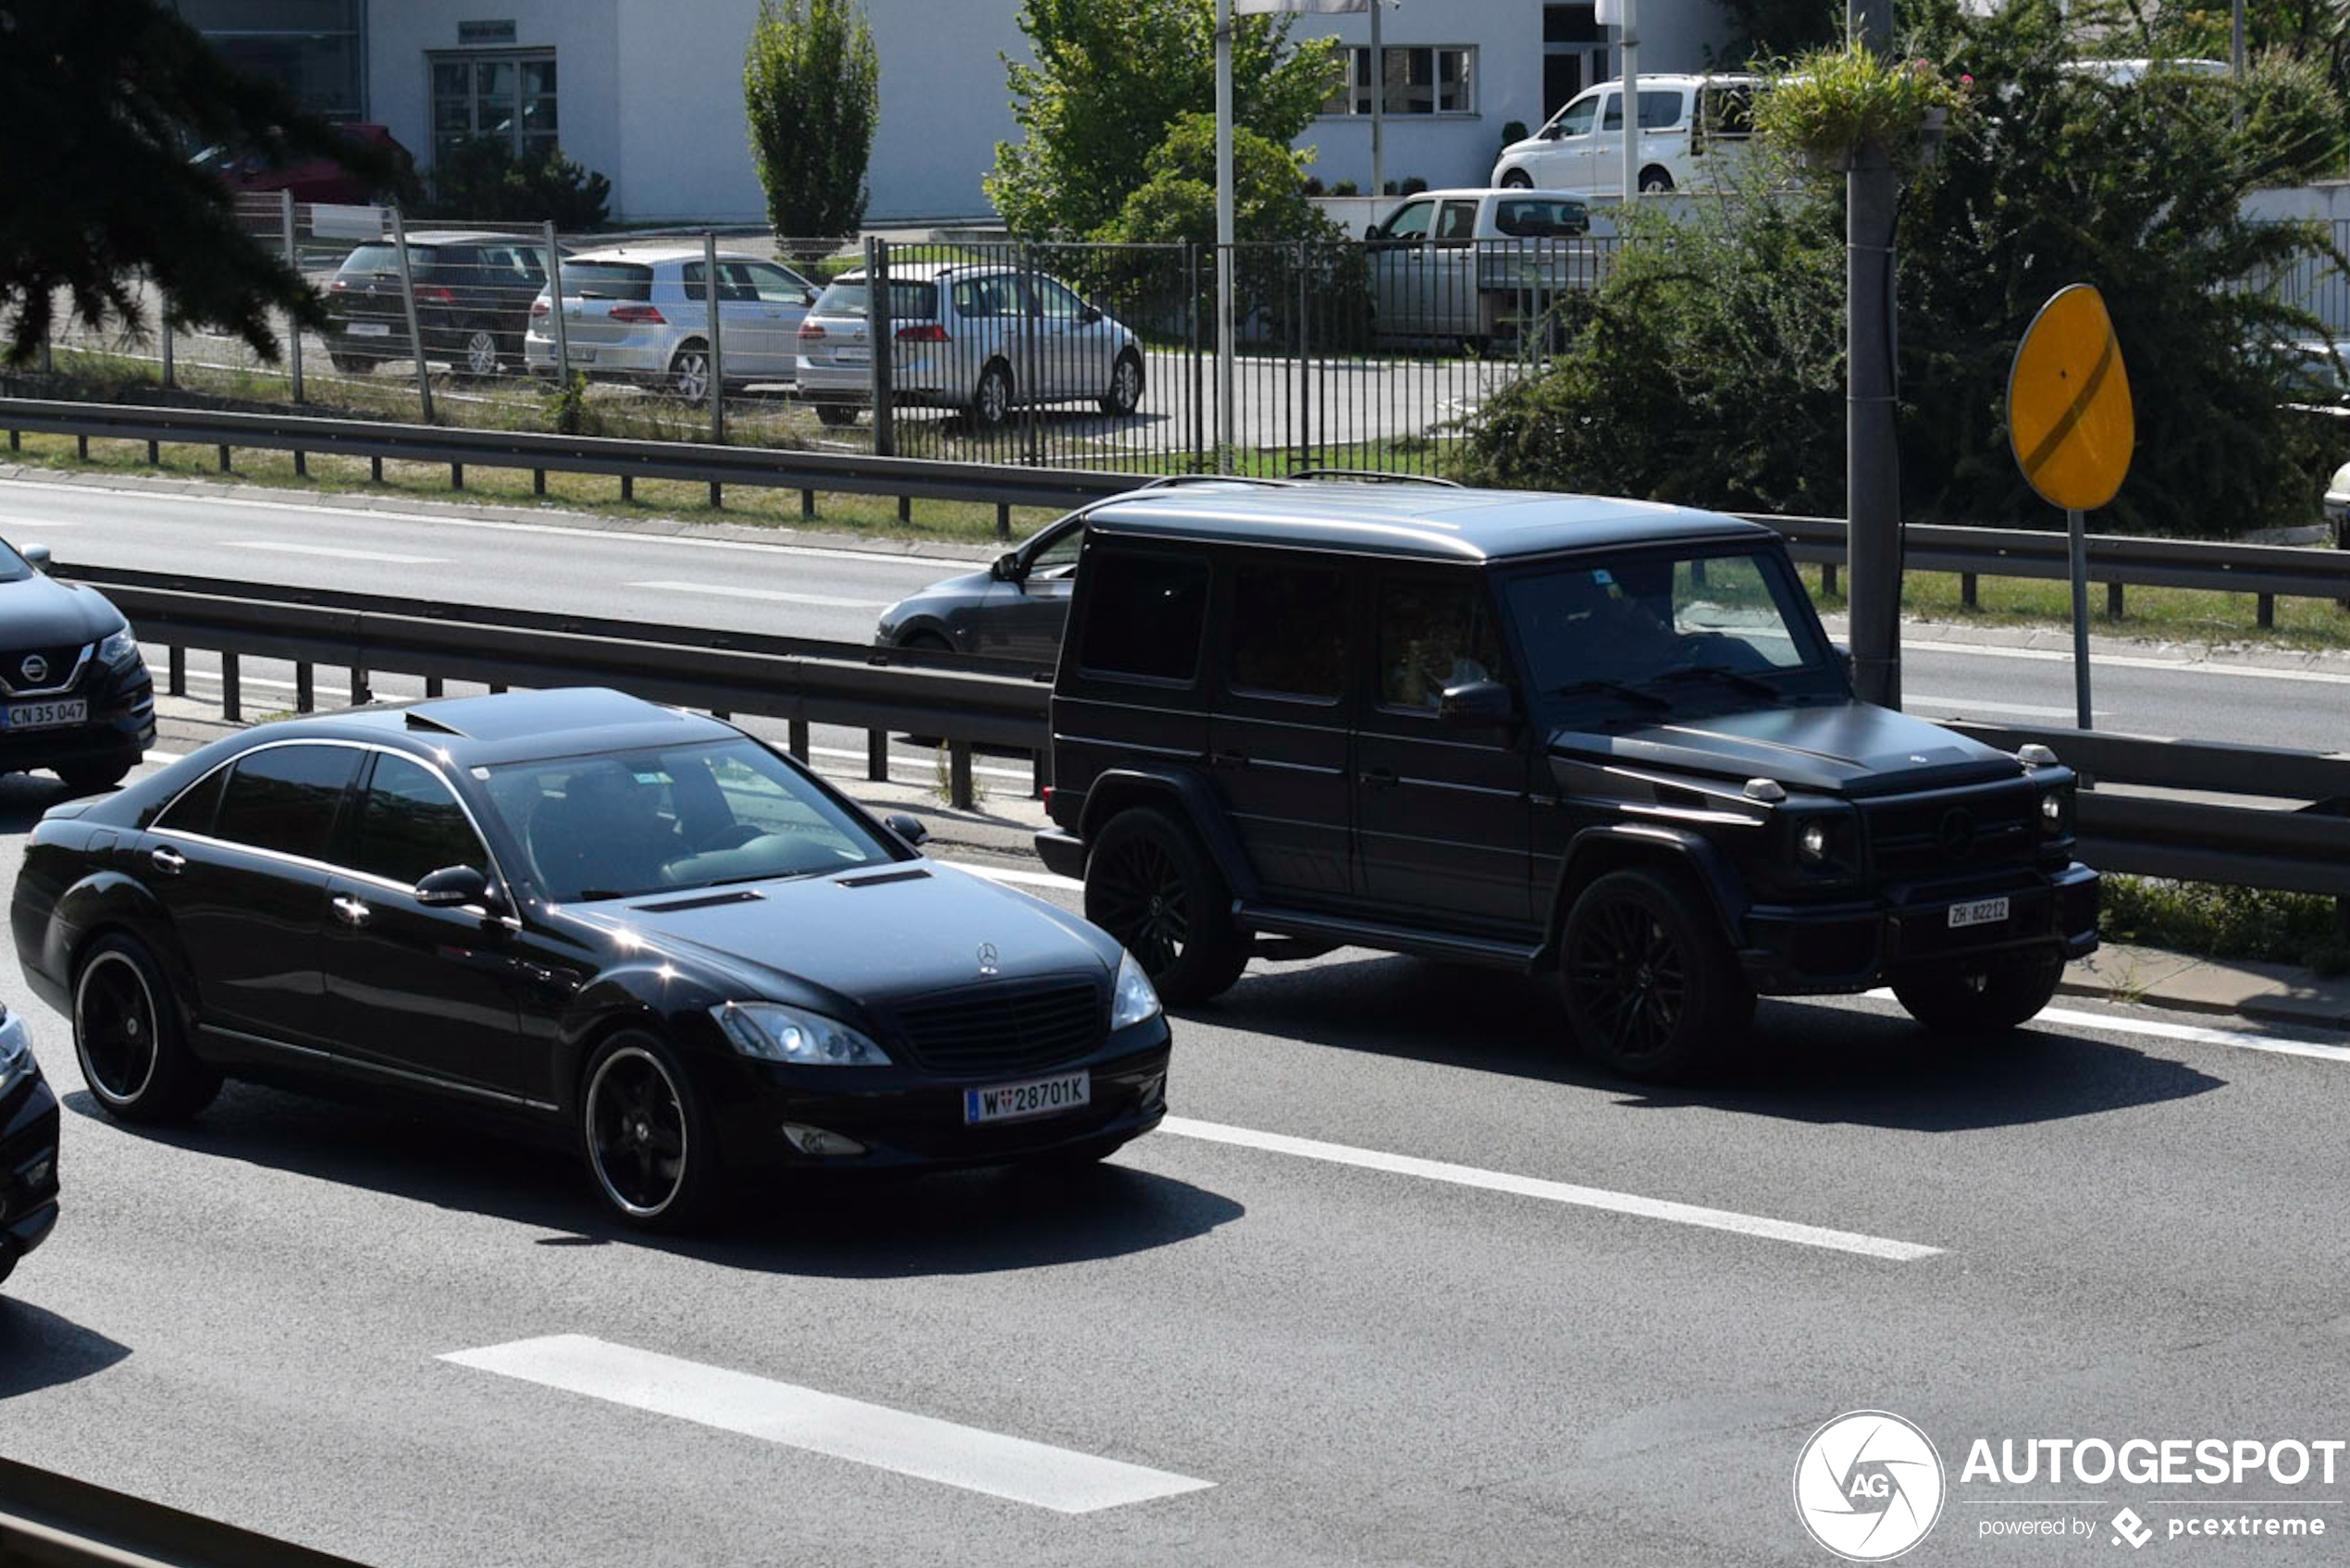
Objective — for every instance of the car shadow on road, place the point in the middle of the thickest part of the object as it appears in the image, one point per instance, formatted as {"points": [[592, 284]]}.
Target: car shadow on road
{"points": [[40, 1349], [24, 797], [978, 1221], [1864, 1063]]}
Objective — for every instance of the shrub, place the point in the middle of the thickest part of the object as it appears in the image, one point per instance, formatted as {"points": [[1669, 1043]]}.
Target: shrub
{"points": [[482, 181]]}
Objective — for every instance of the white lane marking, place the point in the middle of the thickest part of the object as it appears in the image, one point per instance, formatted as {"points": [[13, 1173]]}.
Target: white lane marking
{"points": [[239, 503], [1554, 1191], [921, 1446], [335, 552], [727, 591], [1912, 702], [2196, 1034], [2125, 662], [1021, 775], [1017, 878], [161, 756]]}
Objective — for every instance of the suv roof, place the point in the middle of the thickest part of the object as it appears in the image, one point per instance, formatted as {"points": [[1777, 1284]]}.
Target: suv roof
{"points": [[1429, 521]]}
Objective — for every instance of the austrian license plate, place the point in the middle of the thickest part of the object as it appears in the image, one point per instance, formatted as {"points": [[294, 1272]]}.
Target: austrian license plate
{"points": [[1982, 912], [1037, 1097], [47, 715], [370, 329]]}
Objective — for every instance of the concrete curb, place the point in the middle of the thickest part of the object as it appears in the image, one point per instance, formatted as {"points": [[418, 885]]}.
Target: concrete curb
{"points": [[2181, 983]]}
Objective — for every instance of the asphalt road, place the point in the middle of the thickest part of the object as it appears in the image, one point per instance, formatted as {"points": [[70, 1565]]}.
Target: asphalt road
{"points": [[1406, 1285], [838, 594]]}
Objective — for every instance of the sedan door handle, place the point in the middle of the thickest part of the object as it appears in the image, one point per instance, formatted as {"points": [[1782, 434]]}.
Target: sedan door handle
{"points": [[351, 911], [169, 862], [1379, 778], [1232, 759]]}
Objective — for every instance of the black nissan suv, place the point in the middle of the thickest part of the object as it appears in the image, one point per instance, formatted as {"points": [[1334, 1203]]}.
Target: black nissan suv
{"points": [[1561, 734]]}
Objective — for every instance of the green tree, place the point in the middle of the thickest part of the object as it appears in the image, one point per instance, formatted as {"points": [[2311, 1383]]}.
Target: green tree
{"points": [[1709, 368], [100, 101], [1764, 29], [1110, 79], [812, 90]]}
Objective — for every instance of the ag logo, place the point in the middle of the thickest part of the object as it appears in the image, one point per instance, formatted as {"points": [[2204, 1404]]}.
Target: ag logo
{"points": [[1868, 1485]]}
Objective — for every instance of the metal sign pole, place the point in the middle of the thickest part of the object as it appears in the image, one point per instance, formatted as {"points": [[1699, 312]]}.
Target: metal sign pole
{"points": [[709, 297], [1224, 235], [555, 303], [2079, 553], [293, 260], [408, 303], [1629, 45]]}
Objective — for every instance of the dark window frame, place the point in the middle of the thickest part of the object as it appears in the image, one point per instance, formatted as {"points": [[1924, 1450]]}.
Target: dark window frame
{"points": [[1117, 549]]}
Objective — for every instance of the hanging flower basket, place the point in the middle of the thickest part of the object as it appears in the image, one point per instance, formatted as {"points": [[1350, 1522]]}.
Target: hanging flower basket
{"points": [[1825, 106]]}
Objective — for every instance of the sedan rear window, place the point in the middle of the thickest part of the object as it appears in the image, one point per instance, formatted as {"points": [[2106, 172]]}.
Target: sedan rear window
{"points": [[907, 301], [607, 280], [373, 258]]}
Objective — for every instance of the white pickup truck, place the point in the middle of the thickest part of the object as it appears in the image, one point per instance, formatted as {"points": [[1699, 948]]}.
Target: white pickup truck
{"points": [[1475, 265]]}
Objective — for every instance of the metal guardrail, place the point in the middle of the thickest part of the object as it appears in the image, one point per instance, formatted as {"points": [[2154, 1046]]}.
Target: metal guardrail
{"points": [[2137, 820], [2269, 570], [51, 1521]]}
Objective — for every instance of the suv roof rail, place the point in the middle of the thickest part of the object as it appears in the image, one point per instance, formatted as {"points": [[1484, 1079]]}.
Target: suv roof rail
{"points": [[1381, 474], [1167, 481]]}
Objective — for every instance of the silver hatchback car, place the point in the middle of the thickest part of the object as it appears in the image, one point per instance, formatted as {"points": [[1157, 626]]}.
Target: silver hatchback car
{"points": [[980, 338], [641, 312]]}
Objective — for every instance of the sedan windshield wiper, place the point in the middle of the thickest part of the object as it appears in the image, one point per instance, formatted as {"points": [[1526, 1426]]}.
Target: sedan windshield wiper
{"points": [[1719, 673], [1614, 689]]}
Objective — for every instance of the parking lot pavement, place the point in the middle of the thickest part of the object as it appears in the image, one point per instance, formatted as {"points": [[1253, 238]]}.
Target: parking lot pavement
{"points": [[1400, 1282]]}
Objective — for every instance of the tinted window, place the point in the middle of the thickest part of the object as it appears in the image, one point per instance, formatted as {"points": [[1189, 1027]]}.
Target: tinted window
{"points": [[1433, 635], [1289, 631], [990, 296], [410, 825], [907, 301], [1540, 217], [607, 280], [1146, 615], [284, 797], [1660, 111], [1056, 558], [1638, 617], [192, 811], [1411, 221]]}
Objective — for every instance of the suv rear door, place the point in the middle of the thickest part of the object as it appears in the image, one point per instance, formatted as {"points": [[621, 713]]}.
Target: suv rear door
{"points": [[1442, 818], [1277, 738]]}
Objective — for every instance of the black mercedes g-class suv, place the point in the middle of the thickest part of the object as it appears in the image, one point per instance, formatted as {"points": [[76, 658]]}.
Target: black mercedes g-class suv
{"points": [[1550, 733]]}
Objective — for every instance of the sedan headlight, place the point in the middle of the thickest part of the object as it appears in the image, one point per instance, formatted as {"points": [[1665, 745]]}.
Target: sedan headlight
{"points": [[119, 649], [1133, 998], [776, 1033], [16, 1053]]}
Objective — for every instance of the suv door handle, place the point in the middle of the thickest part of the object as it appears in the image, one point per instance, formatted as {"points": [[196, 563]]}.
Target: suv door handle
{"points": [[1379, 778], [167, 860], [351, 911], [1232, 759]]}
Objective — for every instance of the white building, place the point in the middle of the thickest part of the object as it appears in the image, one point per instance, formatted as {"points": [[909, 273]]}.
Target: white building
{"points": [[648, 92]]}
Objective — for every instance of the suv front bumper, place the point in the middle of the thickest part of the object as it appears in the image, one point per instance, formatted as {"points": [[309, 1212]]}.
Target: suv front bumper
{"points": [[1822, 949]]}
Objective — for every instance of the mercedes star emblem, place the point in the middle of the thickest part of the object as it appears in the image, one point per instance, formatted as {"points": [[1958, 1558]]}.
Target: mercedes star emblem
{"points": [[987, 956]]}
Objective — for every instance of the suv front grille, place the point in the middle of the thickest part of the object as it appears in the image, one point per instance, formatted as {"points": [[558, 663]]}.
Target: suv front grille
{"points": [[1953, 831], [57, 668], [1008, 1028]]}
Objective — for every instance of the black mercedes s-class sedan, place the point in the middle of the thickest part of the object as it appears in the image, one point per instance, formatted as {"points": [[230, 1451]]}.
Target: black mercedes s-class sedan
{"points": [[634, 930], [27, 1146]]}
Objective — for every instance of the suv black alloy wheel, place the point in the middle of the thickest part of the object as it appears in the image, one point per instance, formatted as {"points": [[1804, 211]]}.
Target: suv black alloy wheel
{"points": [[1150, 884], [1651, 990]]}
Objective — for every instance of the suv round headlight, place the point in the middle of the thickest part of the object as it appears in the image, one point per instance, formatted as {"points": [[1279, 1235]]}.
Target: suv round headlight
{"points": [[1812, 842], [2052, 812]]}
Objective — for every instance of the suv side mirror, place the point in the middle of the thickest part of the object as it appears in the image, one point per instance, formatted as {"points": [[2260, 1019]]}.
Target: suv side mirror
{"points": [[908, 827], [1005, 568], [36, 557], [452, 887], [1477, 705]]}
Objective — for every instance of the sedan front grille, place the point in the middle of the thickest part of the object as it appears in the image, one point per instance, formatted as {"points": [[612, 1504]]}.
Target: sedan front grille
{"points": [[1008, 1028]]}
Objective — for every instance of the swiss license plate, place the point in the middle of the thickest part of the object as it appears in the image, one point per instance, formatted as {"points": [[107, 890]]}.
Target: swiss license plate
{"points": [[47, 715], [370, 329], [1982, 912], [1036, 1097]]}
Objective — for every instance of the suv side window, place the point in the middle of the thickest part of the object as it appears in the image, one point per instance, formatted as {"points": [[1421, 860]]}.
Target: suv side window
{"points": [[1434, 633], [285, 797], [1289, 631], [1410, 222], [411, 826], [1146, 615]]}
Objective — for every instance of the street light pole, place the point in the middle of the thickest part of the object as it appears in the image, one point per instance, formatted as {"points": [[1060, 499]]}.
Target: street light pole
{"points": [[1628, 46], [1872, 462], [1223, 234]]}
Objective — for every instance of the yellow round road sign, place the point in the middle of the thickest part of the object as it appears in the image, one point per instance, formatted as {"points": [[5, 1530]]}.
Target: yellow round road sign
{"points": [[2069, 414]]}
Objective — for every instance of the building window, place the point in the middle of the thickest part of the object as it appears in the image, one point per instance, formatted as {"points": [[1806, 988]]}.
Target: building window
{"points": [[316, 48], [509, 96], [1421, 79]]}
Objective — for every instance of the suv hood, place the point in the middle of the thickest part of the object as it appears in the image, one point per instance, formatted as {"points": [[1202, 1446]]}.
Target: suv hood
{"points": [[43, 613], [1852, 749]]}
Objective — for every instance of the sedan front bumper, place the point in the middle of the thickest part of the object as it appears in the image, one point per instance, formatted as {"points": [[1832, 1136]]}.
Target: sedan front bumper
{"points": [[27, 1167]]}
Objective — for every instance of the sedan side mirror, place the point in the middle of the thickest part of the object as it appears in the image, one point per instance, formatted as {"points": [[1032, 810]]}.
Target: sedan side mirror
{"points": [[453, 887], [36, 557], [1477, 705], [1089, 315], [1006, 567], [908, 827], [807, 296]]}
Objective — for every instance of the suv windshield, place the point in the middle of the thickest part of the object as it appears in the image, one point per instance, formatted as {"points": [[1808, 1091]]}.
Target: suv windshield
{"points": [[1730, 621], [623, 823]]}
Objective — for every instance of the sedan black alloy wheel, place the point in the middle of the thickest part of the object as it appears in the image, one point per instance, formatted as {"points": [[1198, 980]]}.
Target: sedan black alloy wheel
{"points": [[637, 1133], [114, 1027]]}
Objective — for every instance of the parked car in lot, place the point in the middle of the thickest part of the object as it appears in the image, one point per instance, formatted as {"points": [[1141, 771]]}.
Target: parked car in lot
{"points": [[1477, 265], [972, 337], [472, 301], [27, 1146], [642, 314], [306, 179], [75, 695], [628, 928], [1694, 131], [1599, 739]]}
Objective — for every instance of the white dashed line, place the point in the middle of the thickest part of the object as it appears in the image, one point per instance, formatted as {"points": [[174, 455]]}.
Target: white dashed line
{"points": [[772, 596], [970, 1457], [336, 552]]}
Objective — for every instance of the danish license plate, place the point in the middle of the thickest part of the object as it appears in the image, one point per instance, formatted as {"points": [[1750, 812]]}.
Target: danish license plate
{"points": [[1982, 912], [370, 329], [1037, 1097], [47, 715]]}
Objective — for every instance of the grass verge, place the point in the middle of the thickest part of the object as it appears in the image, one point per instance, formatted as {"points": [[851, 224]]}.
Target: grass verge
{"points": [[2210, 921]]}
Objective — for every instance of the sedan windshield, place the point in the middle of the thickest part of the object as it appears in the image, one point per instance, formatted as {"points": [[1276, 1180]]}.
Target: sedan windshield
{"points": [[625, 823], [1668, 625]]}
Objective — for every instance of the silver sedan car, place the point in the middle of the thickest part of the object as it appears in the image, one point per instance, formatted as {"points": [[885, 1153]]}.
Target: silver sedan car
{"points": [[979, 337], [641, 312]]}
